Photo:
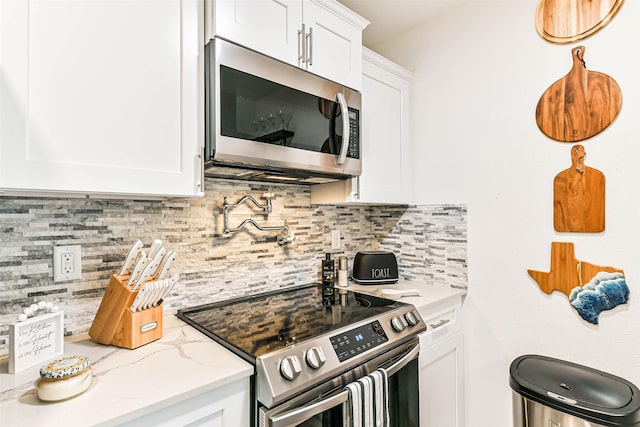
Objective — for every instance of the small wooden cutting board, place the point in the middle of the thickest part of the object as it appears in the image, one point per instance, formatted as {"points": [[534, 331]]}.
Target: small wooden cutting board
{"points": [[579, 105], [578, 196], [565, 21]]}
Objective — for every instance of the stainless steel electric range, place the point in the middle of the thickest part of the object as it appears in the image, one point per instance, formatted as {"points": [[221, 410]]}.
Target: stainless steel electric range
{"points": [[308, 343]]}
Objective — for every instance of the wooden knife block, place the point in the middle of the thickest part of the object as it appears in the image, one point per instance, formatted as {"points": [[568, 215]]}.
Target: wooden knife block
{"points": [[115, 323]]}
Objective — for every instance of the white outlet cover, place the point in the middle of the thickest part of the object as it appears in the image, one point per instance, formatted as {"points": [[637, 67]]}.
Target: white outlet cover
{"points": [[76, 270], [335, 239]]}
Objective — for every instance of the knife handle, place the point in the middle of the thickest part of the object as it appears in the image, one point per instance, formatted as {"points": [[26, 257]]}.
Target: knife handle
{"points": [[155, 247], [136, 302], [150, 268], [149, 290], [137, 270], [130, 259], [165, 265], [155, 296], [168, 286]]}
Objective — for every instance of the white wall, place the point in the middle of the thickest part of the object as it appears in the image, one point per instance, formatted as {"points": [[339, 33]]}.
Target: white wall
{"points": [[479, 71]]}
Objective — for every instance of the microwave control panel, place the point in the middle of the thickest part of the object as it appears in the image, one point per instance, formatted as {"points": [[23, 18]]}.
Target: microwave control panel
{"points": [[354, 135]]}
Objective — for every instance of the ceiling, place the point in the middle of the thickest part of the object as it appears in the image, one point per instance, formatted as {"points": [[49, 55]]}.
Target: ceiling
{"points": [[391, 17]]}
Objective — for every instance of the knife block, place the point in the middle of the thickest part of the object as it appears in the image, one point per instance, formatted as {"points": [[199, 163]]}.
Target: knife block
{"points": [[115, 323]]}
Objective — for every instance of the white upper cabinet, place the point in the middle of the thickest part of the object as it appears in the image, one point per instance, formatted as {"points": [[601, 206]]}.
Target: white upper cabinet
{"points": [[333, 45], [267, 26], [321, 36], [101, 97], [386, 142]]}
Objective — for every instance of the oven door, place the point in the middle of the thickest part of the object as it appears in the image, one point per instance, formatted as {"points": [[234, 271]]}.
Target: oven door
{"points": [[325, 404]]}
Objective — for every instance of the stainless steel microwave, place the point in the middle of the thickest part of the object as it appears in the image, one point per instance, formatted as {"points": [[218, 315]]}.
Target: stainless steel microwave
{"points": [[270, 121]]}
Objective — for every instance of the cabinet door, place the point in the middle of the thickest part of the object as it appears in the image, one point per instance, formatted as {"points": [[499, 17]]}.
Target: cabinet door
{"points": [[442, 383], [227, 406], [385, 132], [386, 143], [268, 26], [333, 46], [101, 96]]}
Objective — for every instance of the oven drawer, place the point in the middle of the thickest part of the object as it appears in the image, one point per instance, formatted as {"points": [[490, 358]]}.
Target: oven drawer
{"points": [[441, 321]]}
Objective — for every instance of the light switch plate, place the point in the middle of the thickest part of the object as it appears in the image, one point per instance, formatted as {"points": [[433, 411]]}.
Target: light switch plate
{"points": [[66, 263]]}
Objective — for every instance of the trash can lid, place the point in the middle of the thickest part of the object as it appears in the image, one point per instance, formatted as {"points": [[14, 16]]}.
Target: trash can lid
{"points": [[577, 390]]}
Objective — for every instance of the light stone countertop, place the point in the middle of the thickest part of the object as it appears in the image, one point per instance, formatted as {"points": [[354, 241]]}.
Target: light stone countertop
{"points": [[127, 383], [430, 294]]}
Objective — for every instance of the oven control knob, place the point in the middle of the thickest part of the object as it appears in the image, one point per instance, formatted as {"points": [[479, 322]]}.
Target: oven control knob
{"points": [[315, 357], [411, 318], [398, 324], [290, 368]]}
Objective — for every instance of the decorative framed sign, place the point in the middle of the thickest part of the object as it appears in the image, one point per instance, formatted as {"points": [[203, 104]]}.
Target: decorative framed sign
{"points": [[35, 340]]}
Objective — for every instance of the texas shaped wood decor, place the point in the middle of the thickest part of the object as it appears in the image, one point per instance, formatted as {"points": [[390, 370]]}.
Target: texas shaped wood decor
{"points": [[578, 196], [591, 289]]}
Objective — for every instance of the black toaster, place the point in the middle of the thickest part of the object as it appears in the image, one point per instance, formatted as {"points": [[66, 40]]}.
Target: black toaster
{"points": [[375, 268]]}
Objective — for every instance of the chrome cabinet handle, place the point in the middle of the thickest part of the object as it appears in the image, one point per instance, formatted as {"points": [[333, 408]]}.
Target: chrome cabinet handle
{"points": [[344, 108], [199, 171], [298, 415], [442, 322], [309, 38], [302, 46]]}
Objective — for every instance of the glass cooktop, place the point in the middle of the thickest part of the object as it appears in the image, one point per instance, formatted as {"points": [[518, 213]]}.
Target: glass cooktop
{"points": [[259, 324]]}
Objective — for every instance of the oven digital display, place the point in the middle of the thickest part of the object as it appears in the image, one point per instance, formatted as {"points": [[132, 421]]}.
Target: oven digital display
{"points": [[358, 340]]}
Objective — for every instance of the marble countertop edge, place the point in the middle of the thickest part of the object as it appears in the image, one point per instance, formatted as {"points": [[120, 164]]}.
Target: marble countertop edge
{"points": [[127, 383]]}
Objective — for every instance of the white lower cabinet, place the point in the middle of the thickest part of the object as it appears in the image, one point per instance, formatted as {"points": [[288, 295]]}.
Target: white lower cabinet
{"points": [[227, 406], [441, 384], [441, 368]]}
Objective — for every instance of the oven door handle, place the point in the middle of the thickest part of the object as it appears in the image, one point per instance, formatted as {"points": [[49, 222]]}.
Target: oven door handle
{"points": [[298, 415]]}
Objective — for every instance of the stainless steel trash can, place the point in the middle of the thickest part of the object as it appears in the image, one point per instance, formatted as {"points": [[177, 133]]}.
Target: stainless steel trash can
{"points": [[550, 392]]}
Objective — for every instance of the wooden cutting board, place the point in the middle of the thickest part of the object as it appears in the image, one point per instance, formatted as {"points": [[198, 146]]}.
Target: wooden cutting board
{"points": [[566, 271], [580, 105], [578, 196], [565, 21]]}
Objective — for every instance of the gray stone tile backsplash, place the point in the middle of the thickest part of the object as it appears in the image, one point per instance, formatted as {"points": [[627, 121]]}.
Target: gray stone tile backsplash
{"points": [[429, 242]]}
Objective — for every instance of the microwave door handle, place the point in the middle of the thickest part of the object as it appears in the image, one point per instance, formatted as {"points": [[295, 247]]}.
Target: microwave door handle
{"points": [[299, 415], [344, 108]]}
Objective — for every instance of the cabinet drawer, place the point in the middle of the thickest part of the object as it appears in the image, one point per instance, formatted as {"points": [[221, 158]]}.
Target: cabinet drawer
{"points": [[441, 322]]}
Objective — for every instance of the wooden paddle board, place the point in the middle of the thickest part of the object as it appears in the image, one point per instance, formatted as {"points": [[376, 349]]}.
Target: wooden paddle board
{"points": [[578, 196], [580, 105], [565, 21]]}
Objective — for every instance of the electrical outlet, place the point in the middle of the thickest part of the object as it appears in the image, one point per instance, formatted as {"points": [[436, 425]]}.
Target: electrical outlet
{"points": [[66, 263], [335, 239]]}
